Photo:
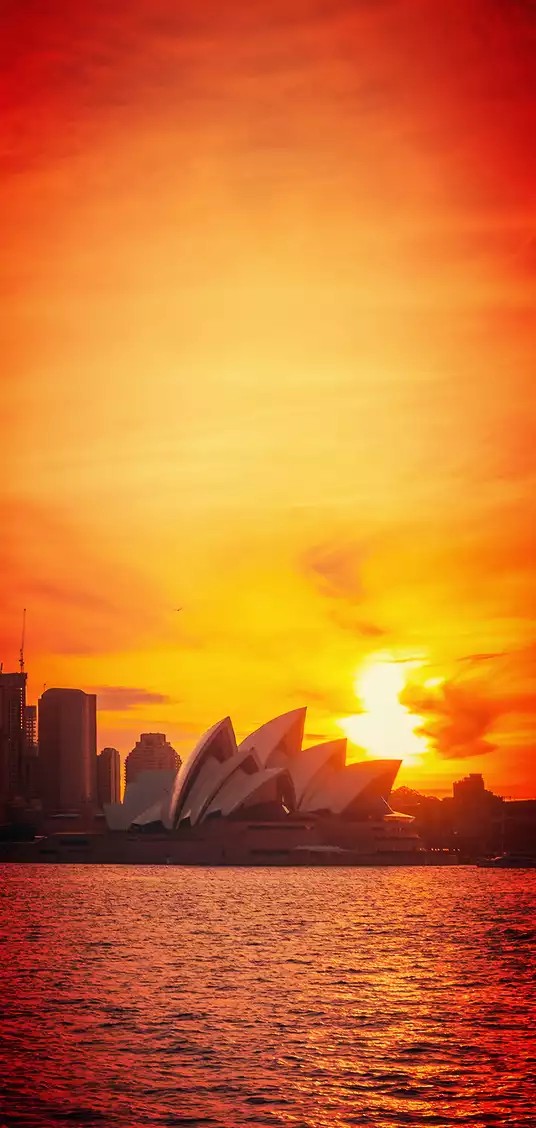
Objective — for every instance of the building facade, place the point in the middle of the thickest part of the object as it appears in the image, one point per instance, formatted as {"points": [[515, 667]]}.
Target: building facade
{"points": [[67, 750], [108, 776], [152, 752], [30, 726], [12, 738], [31, 783]]}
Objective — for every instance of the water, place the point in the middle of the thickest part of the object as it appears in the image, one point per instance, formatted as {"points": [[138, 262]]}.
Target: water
{"points": [[135, 996]]}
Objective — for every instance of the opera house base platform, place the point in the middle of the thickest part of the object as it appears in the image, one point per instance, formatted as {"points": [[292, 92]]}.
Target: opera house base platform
{"points": [[292, 842]]}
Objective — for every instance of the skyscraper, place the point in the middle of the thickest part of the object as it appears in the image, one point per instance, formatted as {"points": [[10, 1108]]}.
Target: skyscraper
{"points": [[108, 776], [151, 753], [12, 707], [31, 781], [68, 749], [30, 726]]}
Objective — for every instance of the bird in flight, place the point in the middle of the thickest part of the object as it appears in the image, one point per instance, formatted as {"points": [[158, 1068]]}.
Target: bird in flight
{"points": [[178, 609]]}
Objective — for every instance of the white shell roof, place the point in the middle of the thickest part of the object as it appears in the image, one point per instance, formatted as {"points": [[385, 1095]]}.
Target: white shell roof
{"points": [[213, 777], [338, 790], [219, 777], [278, 740], [305, 768], [152, 814], [214, 747], [240, 791]]}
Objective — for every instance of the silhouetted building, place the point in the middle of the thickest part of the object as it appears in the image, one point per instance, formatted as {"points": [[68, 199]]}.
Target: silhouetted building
{"points": [[469, 790], [31, 784], [152, 752], [30, 726], [108, 776], [12, 743], [433, 817], [67, 749], [518, 827], [476, 816], [474, 822]]}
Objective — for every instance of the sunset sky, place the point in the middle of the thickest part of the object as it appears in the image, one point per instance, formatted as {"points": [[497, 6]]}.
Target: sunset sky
{"points": [[267, 324]]}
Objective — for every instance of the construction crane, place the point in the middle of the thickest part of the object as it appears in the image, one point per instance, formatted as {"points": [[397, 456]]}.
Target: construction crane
{"points": [[21, 651]]}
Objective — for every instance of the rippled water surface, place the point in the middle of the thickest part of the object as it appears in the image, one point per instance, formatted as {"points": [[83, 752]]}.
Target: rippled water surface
{"points": [[308, 997]]}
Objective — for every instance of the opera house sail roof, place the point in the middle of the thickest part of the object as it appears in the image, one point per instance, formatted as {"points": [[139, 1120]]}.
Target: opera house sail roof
{"points": [[268, 774], [278, 741]]}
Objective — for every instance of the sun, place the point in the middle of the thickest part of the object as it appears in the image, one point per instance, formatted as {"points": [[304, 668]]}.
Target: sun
{"points": [[385, 727]]}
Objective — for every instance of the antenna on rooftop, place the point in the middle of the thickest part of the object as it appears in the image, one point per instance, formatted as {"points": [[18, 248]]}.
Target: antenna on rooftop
{"points": [[21, 651]]}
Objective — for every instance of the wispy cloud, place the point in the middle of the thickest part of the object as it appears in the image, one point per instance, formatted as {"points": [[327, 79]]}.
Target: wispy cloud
{"points": [[120, 698], [335, 569]]}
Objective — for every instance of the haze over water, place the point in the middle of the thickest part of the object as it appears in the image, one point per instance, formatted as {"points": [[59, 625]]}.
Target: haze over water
{"points": [[169, 996]]}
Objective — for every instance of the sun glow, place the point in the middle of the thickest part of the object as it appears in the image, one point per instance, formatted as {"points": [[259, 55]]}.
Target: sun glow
{"points": [[385, 727]]}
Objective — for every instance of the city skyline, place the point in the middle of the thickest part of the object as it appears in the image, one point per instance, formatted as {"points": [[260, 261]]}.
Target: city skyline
{"points": [[269, 353], [269, 779], [152, 751]]}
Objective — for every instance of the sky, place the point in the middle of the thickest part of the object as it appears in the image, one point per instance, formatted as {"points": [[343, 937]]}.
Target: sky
{"points": [[267, 327]]}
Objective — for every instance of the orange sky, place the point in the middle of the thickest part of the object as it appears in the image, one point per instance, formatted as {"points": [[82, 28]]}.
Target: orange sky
{"points": [[267, 325]]}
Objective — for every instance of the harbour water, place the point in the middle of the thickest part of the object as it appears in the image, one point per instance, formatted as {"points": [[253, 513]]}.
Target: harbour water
{"points": [[135, 996]]}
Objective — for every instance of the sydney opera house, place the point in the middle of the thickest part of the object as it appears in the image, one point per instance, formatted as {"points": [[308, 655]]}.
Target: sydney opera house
{"points": [[267, 799]]}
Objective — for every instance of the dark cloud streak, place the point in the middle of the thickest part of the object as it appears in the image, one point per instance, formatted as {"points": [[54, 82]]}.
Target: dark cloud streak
{"points": [[120, 698]]}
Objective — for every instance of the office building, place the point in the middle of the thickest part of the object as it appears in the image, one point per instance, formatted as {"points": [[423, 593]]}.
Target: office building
{"points": [[31, 784], [469, 790], [30, 727], [12, 737], [152, 752], [108, 776], [67, 750]]}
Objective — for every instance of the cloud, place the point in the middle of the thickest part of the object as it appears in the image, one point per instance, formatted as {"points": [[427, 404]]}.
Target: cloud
{"points": [[119, 698], [459, 718], [335, 570]]}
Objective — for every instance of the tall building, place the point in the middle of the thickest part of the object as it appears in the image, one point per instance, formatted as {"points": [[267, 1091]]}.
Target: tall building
{"points": [[152, 752], [470, 789], [475, 815], [31, 782], [68, 749], [108, 776], [12, 743], [30, 726]]}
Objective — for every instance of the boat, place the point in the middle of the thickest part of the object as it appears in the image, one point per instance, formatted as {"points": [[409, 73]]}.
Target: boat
{"points": [[508, 861]]}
